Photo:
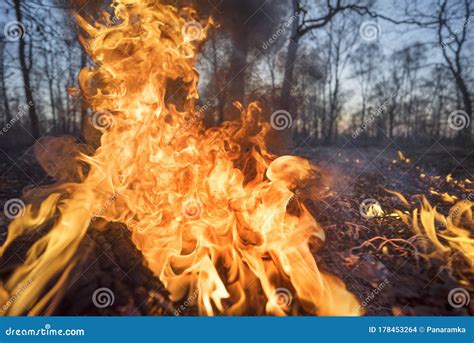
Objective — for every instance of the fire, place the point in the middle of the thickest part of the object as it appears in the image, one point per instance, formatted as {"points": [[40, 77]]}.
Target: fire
{"points": [[213, 212], [217, 217], [445, 237], [448, 238]]}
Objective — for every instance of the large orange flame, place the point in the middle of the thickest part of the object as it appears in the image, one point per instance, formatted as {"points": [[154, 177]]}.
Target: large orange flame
{"points": [[213, 212]]}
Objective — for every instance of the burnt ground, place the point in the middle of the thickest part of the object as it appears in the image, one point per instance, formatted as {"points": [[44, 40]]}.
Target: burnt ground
{"points": [[389, 281], [406, 284]]}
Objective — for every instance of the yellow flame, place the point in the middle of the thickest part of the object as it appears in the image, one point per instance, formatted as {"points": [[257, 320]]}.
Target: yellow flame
{"points": [[211, 210], [401, 157], [450, 237]]}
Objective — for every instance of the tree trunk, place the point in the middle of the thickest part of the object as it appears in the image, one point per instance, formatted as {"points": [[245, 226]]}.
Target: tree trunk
{"points": [[333, 102], [83, 102], [60, 107], [221, 96], [25, 71], [466, 99], [3, 89], [391, 123], [51, 100], [50, 79], [285, 103], [236, 77]]}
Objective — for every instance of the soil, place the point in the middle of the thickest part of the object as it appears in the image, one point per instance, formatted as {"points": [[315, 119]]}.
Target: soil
{"points": [[390, 281]]}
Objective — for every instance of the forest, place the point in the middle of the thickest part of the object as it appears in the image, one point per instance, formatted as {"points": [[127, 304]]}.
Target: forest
{"points": [[355, 72], [237, 157]]}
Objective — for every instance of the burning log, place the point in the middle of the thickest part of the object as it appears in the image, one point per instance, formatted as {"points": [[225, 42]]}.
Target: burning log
{"points": [[219, 220], [207, 208]]}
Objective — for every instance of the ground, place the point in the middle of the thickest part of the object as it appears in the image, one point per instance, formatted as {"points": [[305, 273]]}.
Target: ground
{"points": [[388, 281]]}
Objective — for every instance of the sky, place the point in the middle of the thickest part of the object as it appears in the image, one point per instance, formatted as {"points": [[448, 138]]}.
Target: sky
{"points": [[390, 37]]}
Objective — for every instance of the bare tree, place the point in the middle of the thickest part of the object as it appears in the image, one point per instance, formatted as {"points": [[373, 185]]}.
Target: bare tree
{"points": [[25, 72], [453, 41], [366, 60], [3, 88]]}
